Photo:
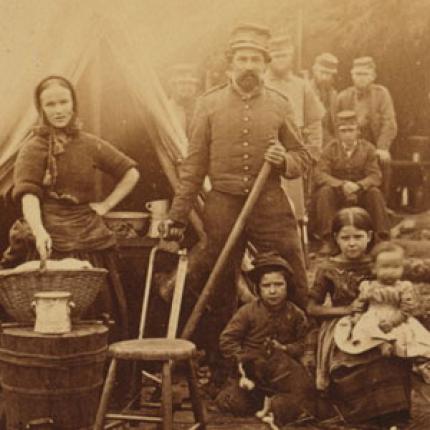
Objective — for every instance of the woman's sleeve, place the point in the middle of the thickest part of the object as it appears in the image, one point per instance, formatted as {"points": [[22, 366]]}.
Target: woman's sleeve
{"points": [[321, 286], [111, 160], [29, 169]]}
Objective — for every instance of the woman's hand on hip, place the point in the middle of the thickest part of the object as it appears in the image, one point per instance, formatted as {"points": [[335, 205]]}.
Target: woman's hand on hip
{"points": [[100, 208]]}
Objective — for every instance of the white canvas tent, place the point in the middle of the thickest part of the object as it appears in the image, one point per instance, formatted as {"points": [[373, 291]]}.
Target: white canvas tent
{"points": [[93, 45]]}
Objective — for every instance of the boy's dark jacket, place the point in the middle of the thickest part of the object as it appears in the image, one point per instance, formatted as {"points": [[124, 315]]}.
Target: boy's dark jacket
{"points": [[254, 323]]}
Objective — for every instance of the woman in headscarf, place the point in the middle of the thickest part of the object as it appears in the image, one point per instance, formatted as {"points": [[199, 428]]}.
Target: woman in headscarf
{"points": [[55, 181]]}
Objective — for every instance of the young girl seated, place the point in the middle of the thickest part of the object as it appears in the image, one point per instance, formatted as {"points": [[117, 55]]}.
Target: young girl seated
{"points": [[265, 340], [364, 386], [387, 323]]}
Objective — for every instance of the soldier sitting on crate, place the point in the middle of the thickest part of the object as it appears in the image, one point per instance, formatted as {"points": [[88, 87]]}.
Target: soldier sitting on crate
{"points": [[348, 174]]}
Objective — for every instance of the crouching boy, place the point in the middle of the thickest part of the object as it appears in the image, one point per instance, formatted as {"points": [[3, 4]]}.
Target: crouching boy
{"points": [[265, 339]]}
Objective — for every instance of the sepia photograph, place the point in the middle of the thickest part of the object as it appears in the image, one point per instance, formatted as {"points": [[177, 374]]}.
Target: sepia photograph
{"points": [[215, 214]]}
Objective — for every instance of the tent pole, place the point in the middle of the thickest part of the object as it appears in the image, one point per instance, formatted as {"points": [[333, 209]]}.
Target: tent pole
{"points": [[299, 34], [96, 94]]}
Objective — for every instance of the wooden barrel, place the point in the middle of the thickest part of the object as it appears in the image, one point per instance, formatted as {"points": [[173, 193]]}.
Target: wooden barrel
{"points": [[52, 377]]}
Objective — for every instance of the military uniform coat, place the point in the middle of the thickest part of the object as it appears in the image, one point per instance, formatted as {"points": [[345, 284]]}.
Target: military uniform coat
{"points": [[328, 98], [382, 117], [333, 169], [335, 166], [308, 110], [229, 135]]}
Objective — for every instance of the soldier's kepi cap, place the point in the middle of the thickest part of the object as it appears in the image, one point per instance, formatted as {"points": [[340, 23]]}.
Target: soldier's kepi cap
{"points": [[327, 62], [280, 43], [251, 36], [345, 119], [268, 262], [363, 64], [183, 72]]}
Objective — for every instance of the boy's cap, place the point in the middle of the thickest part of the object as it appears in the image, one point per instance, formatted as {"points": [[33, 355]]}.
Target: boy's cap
{"points": [[363, 64], [327, 62], [267, 262], [346, 118]]}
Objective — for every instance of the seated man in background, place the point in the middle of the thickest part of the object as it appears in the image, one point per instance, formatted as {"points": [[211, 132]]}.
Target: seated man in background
{"points": [[374, 107], [348, 174]]}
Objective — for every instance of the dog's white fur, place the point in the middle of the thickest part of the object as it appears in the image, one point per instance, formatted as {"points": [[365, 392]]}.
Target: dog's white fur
{"points": [[244, 382], [265, 414], [266, 408], [270, 420]]}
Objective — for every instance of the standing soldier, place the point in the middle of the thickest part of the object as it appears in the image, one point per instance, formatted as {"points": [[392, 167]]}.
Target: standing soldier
{"points": [[308, 110], [373, 105], [324, 71], [235, 128], [183, 91]]}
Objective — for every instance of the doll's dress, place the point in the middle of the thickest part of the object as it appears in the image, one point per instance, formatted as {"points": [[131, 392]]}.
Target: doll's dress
{"points": [[391, 304]]}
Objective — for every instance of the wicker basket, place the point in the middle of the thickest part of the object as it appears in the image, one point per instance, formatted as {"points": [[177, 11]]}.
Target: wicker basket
{"points": [[17, 288]]}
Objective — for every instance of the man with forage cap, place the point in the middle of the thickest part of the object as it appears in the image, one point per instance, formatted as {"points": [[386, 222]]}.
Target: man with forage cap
{"points": [[308, 109], [324, 71], [183, 85], [373, 105], [348, 174], [236, 127]]}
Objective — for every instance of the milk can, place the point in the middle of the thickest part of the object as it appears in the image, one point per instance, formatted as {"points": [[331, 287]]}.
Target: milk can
{"points": [[52, 310]]}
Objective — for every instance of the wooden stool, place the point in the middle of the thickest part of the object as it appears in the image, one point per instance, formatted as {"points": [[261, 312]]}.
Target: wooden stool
{"points": [[168, 350]]}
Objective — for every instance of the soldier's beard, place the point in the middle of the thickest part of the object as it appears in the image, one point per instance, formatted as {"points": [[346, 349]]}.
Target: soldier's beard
{"points": [[248, 81]]}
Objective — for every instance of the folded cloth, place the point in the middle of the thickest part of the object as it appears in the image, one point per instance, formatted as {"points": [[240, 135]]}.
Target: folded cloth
{"points": [[63, 264]]}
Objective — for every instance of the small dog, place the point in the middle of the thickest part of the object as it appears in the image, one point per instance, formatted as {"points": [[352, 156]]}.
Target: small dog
{"points": [[284, 383], [265, 414]]}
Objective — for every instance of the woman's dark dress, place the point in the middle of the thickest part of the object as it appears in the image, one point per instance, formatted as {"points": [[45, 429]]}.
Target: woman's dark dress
{"points": [[75, 229]]}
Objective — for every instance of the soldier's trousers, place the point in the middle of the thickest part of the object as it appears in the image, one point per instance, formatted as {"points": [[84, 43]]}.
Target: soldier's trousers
{"points": [[329, 200], [271, 226]]}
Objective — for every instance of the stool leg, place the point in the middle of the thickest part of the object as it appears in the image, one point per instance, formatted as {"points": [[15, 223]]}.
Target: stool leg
{"points": [[166, 396], [198, 406], [104, 399]]}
